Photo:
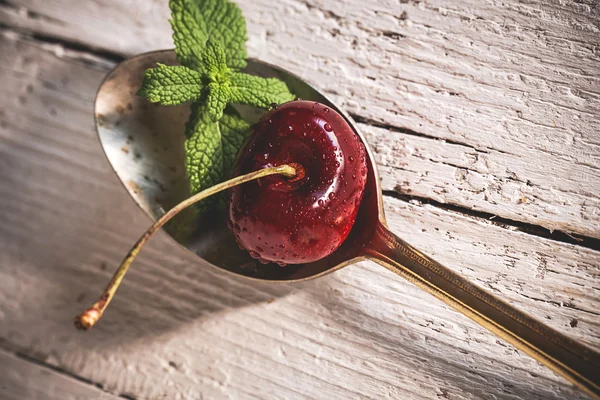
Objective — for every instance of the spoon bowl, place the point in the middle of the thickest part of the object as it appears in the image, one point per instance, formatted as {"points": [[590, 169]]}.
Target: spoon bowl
{"points": [[144, 144]]}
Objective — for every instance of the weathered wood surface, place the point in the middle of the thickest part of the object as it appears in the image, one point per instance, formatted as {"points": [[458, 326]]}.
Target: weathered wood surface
{"points": [[21, 379], [180, 329]]}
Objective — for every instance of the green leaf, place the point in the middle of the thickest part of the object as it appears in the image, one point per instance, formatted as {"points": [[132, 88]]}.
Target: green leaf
{"points": [[216, 73], [213, 62], [257, 91], [203, 151], [189, 32], [195, 21], [170, 86], [211, 147], [218, 97], [225, 24], [234, 130]]}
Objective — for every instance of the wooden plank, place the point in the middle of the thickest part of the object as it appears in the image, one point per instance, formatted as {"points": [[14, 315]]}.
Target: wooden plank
{"points": [[21, 379], [513, 87], [179, 329]]}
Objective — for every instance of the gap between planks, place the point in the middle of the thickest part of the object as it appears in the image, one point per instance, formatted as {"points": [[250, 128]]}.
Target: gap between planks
{"points": [[8, 352]]}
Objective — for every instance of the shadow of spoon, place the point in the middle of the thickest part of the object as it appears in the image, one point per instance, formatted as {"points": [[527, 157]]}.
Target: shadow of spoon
{"points": [[144, 144]]}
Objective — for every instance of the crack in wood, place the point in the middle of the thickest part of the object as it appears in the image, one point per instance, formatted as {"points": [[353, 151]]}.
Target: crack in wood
{"points": [[6, 346], [29, 13], [535, 230], [411, 132], [30, 35], [559, 304]]}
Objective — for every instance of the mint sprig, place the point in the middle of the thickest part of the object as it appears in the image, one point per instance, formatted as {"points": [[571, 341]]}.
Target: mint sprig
{"points": [[210, 37]]}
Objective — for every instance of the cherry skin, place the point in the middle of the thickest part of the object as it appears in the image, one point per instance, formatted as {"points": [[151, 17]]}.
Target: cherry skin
{"points": [[305, 218]]}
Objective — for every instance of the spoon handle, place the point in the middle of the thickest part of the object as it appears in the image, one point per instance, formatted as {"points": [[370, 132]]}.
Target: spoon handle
{"points": [[574, 361]]}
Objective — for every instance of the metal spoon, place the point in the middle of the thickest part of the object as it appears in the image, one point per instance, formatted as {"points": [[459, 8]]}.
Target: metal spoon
{"points": [[144, 144]]}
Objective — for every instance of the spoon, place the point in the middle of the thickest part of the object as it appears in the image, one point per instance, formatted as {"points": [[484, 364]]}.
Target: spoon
{"points": [[144, 145]]}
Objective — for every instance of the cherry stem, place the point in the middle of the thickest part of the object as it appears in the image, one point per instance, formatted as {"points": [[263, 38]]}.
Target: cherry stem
{"points": [[89, 317]]}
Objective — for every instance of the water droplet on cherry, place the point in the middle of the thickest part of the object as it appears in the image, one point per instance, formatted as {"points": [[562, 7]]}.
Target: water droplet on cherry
{"points": [[285, 130]]}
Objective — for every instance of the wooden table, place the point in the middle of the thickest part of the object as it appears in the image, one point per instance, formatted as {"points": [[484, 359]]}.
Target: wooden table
{"points": [[484, 120]]}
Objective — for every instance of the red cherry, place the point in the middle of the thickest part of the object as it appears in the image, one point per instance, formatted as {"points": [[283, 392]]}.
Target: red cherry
{"points": [[305, 218]]}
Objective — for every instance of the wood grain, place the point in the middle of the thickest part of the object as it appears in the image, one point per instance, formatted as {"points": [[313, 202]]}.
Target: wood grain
{"points": [[510, 89], [180, 329], [21, 379]]}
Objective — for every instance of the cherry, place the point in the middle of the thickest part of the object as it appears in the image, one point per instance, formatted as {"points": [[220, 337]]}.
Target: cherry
{"points": [[307, 217]]}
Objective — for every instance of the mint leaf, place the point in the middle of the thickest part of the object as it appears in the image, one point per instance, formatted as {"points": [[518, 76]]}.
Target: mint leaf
{"points": [[214, 65], [211, 147], [216, 72], [257, 91], [203, 150], [225, 24], [234, 130], [218, 97], [189, 32], [195, 21], [170, 86]]}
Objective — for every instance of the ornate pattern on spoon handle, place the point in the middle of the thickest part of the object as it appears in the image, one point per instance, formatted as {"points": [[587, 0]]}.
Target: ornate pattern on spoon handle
{"points": [[569, 358]]}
